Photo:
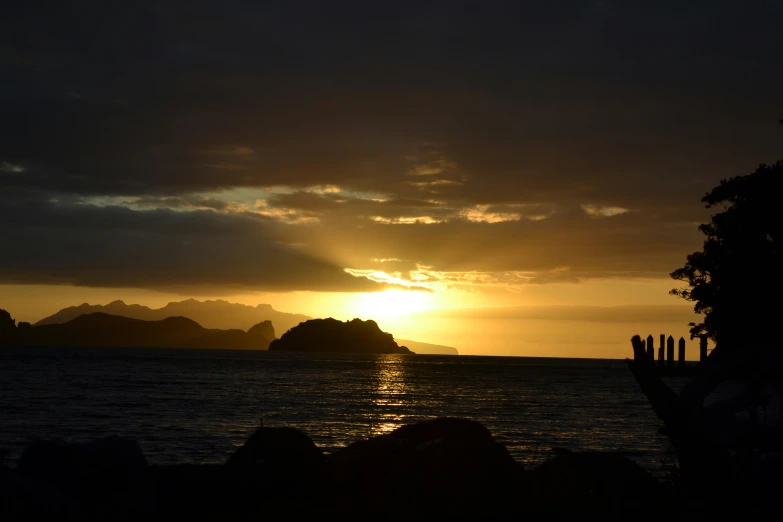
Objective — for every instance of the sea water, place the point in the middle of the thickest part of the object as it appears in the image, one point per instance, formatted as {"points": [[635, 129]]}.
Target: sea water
{"points": [[198, 406]]}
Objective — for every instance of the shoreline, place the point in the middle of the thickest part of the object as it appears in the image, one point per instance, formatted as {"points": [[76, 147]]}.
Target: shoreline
{"points": [[446, 467]]}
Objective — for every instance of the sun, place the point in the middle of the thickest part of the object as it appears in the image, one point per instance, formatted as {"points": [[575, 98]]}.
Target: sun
{"points": [[392, 303]]}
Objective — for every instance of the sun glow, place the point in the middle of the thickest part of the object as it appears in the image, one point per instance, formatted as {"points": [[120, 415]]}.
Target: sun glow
{"points": [[392, 303]]}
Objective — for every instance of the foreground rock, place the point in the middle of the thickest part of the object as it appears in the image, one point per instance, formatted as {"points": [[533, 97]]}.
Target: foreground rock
{"points": [[443, 469], [594, 482], [279, 454], [444, 465], [92, 480], [331, 335]]}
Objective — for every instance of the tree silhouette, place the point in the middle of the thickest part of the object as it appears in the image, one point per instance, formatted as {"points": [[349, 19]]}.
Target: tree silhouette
{"points": [[734, 280]]}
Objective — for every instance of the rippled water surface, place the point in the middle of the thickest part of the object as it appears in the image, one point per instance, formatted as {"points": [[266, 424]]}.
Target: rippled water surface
{"points": [[197, 406]]}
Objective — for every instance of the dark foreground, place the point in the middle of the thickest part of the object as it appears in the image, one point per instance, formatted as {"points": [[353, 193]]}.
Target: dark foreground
{"points": [[444, 469]]}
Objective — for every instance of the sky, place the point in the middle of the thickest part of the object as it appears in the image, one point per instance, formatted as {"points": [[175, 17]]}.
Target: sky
{"points": [[514, 178]]}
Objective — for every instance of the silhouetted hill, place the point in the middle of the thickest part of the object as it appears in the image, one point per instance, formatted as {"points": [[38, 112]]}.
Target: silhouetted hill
{"points": [[331, 335], [104, 330], [209, 314], [427, 348], [214, 314]]}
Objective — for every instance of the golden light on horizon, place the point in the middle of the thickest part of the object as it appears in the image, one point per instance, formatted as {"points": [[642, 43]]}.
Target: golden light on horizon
{"points": [[392, 303]]}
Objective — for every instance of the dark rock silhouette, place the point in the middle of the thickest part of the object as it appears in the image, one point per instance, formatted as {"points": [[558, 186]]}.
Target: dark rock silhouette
{"points": [[8, 331], [331, 335], [286, 451], [6, 322], [87, 481], [593, 482], [442, 469], [103, 330], [111, 462], [446, 464], [263, 330], [210, 314]]}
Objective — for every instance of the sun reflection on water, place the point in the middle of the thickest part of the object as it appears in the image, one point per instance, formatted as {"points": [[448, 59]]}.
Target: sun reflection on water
{"points": [[390, 394]]}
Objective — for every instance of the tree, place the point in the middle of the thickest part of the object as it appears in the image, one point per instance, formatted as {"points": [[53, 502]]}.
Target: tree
{"points": [[734, 280]]}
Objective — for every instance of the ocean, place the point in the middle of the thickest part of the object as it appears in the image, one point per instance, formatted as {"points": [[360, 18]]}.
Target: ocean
{"points": [[198, 406]]}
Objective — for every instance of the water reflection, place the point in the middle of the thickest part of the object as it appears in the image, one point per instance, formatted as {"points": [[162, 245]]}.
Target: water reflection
{"points": [[389, 397]]}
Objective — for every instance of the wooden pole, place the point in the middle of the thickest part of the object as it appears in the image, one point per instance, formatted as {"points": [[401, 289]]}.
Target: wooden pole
{"points": [[670, 352], [661, 351], [651, 348], [702, 347], [681, 354], [704, 460]]}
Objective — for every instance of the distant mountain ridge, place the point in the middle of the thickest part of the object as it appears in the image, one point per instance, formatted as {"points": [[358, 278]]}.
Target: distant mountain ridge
{"points": [[217, 314], [427, 348], [112, 331], [209, 314]]}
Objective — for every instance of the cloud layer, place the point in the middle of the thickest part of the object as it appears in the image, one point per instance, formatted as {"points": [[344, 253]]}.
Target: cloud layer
{"points": [[277, 146]]}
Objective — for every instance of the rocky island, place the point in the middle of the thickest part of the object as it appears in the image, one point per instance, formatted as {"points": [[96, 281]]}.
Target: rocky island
{"points": [[331, 335], [112, 331]]}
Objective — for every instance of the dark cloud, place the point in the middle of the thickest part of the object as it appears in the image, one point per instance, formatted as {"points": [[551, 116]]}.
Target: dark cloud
{"points": [[634, 244], [181, 251], [466, 114], [186, 202]]}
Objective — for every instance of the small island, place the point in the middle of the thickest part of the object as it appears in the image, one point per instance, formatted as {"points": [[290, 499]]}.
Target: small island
{"points": [[331, 335]]}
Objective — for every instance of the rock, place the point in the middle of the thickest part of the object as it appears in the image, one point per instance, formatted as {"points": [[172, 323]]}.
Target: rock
{"points": [[8, 332], [96, 478], [280, 468], [331, 335], [191, 491], [6, 321], [286, 453], [445, 466], [263, 331], [110, 463], [593, 482]]}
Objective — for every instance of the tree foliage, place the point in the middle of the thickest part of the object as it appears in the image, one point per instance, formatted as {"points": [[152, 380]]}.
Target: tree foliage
{"points": [[734, 280]]}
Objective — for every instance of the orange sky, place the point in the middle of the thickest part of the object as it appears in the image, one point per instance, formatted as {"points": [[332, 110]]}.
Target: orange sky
{"points": [[493, 155], [594, 319]]}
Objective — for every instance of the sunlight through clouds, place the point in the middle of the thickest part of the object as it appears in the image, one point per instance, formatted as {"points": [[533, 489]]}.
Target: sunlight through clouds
{"points": [[481, 214], [285, 215], [417, 220], [432, 168], [599, 211]]}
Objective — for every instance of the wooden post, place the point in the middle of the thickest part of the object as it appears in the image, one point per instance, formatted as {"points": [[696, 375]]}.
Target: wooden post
{"points": [[661, 351], [651, 348], [681, 354], [702, 347], [705, 461], [670, 352]]}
